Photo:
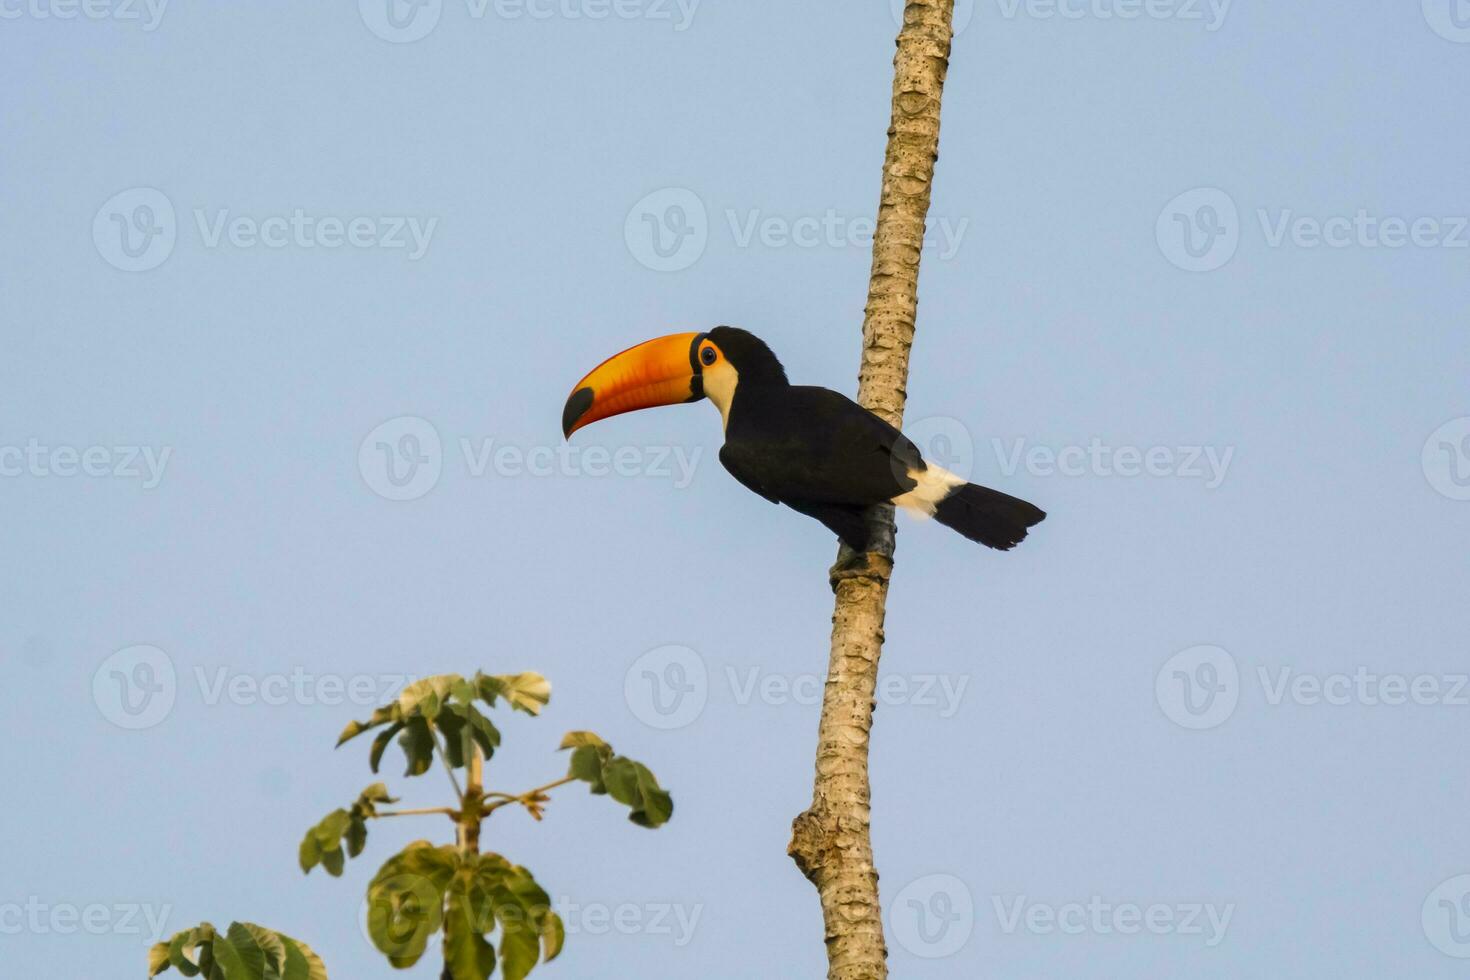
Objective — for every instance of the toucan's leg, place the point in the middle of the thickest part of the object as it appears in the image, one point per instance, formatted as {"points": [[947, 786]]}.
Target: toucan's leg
{"points": [[844, 520]]}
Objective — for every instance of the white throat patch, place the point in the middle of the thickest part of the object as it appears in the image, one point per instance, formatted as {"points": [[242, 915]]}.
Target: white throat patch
{"points": [[720, 380]]}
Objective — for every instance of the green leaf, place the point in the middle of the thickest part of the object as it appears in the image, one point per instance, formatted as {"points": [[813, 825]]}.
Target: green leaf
{"points": [[586, 765], [519, 950], [380, 743], [657, 805], [553, 936], [577, 740], [628, 782], [323, 840], [380, 716], [406, 901], [537, 904], [526, 692], [485, 734], [356, 836], [157, 959], [261, 953], [453, 724], [445, 702], [417, 742], [298, 967], [377, 793], [467, 955], [232, 965], [183, 949], [323, 843], [425, 697], [315, 968], [245, 952]]}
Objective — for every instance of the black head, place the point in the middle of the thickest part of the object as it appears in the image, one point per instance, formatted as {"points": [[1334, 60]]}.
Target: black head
{"points": [[748, 354]]}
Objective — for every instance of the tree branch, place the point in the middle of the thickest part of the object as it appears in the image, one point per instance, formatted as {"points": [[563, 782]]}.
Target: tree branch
{"points": [[830, 842], [532, 799], [425, 811]]}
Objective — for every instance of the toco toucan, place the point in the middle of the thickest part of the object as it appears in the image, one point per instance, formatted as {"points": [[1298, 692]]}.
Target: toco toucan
{"points": [[812, 449]]}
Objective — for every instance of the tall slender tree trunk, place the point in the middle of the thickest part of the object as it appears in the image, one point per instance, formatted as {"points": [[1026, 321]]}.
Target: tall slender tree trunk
{"points": [[830, 842]]}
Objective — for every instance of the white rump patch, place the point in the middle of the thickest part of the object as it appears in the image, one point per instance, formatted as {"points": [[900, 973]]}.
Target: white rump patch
{"points": [[934, 484]]}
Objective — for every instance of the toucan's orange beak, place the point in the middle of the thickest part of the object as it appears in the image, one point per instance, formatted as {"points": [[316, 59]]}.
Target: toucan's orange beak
{"points": [[664, 371]]}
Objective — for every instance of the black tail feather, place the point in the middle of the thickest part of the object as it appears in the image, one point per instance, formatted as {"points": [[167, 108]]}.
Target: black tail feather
{"points": [[994, 519]]}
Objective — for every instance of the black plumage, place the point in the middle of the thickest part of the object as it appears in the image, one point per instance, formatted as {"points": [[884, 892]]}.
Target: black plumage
{"points": [[823, 455]]}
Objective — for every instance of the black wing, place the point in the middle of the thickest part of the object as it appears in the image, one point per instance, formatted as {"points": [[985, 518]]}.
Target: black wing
{"points": [[824, 448], [743, 468]]}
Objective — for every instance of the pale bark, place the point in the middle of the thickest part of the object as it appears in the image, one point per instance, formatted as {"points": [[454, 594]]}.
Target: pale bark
{"points": [[830, 842]]}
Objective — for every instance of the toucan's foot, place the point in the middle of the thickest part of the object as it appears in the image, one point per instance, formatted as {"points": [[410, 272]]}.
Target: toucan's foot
{"points": [[857, 564]]}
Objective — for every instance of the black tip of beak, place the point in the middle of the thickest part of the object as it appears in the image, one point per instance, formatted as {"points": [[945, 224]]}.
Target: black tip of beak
{"points": [[577, 406]]}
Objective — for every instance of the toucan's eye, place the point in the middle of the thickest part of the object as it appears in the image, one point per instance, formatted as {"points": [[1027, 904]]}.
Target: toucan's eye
{"points": [[708, 356]]}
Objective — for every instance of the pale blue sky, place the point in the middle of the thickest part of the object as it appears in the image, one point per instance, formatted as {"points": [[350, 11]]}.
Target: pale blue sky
{"points": [[345, 241]]}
